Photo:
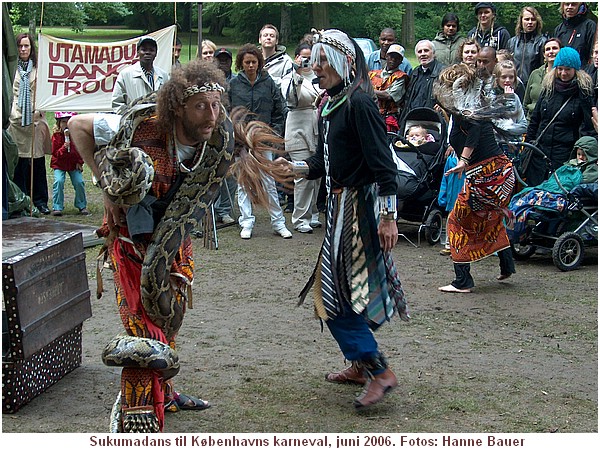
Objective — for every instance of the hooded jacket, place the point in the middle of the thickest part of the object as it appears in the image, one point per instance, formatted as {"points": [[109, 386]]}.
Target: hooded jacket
{"points": [[528, 53], [589, 145], [496, 37], [446, 47], [560, 134], [279, 64], [578, 32]]}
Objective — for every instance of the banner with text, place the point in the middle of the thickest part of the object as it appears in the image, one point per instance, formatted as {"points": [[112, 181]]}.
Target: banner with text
{"points": [[80, 76]]}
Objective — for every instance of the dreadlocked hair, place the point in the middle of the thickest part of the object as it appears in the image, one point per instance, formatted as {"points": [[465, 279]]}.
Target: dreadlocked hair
{"points": [[253, 139]]}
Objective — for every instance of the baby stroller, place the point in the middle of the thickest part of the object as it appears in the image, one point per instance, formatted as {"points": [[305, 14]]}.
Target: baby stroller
{"points": [[560, 216], [420, 172]]}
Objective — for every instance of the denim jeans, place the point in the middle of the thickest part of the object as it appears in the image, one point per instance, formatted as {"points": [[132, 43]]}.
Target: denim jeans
{"points": [[58, 189]]}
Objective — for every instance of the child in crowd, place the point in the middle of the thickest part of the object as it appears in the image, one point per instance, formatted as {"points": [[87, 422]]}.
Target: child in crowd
{"points": [[452, 184], [416, 135], [66, 159]]}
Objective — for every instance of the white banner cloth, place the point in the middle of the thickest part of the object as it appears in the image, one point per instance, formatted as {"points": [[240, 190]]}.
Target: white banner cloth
{"points": [[80, 76]]}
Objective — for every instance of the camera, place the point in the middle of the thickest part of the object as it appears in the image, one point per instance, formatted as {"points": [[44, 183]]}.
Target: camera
{"points": [[305, 63]]}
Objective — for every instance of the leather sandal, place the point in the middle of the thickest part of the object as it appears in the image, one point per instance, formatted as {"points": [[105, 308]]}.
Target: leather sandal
{"points": [[375, 389], [352, 374], [183, 402]]}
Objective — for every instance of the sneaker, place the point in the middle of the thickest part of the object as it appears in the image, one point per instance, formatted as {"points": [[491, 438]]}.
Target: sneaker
{"points": [[56, 212], [85, 212], [226, 219], [246, 233], [284, 233], [316, 224], [197, 234], [304, 228]]}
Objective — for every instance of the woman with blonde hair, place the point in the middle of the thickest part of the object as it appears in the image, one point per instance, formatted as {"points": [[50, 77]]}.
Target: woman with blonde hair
{"points": [[562, 114], [527, 45], [208, 49]]}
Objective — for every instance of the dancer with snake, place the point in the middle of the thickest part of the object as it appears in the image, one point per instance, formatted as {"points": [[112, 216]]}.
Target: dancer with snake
{"points": [[159, 173]]}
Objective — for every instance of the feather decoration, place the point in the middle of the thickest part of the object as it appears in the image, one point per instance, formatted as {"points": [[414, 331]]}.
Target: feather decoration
{"points": [[460, 91], [253, 139]]}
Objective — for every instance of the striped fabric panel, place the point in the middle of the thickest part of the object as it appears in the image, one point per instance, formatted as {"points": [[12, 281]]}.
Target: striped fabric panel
{"points": [[359, 278], [328, 293]]}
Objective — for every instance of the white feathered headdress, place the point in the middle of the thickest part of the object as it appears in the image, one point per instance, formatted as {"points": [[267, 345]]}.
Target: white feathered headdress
{"points": [[460, 91]]}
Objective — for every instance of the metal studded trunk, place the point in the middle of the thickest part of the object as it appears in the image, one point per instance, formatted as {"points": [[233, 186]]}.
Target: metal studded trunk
{"points": [[46, 299]]}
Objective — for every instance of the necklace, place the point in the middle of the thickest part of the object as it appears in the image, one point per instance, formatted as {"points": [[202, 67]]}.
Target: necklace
{"points": [[335, 101]]}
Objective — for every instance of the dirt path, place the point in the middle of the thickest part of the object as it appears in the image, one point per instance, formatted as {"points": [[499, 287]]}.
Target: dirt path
{"points": [[517, 356]]}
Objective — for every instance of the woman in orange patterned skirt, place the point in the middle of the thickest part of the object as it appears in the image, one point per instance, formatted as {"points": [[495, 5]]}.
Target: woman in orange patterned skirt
{"points": [[476, 224]]}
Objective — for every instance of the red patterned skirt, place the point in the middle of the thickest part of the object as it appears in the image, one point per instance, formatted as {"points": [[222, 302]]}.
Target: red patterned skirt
{"points": [[475, 225]]}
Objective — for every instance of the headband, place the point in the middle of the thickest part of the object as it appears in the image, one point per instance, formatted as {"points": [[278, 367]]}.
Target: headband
{"points": [[206, 87], [337, 39]]}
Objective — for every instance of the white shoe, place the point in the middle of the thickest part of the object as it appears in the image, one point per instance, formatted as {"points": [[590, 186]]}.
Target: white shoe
{"points": [[304, 228], [284, 233], [316, 224], [226, 219], [246, 233]]}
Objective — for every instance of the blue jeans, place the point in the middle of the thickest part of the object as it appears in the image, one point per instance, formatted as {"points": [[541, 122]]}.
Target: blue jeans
{"points": [[58, 189], [354, 337]]}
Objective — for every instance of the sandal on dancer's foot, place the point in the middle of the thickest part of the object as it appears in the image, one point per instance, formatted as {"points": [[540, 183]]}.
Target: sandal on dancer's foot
{"points": [[454, 290], [503, 276], [183, 402]]}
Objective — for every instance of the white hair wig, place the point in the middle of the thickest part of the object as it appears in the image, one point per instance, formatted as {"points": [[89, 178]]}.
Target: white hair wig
{"points": [[335, 58]]}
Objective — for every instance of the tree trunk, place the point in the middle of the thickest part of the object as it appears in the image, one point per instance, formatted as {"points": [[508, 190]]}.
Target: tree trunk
{"points": [[285, 31], [32, 18], [187, 17], [217, 24], [320, 15], [408, 26]]}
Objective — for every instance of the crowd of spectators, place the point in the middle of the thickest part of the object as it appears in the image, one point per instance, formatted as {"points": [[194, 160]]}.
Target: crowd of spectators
{"points": [[555, 96]]}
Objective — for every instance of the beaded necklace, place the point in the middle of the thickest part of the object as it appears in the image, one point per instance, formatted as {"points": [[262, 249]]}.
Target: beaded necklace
{"points": [[335, 101]]}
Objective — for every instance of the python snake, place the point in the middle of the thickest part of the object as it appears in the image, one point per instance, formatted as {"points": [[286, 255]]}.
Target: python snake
{"points": [[126, 177]]}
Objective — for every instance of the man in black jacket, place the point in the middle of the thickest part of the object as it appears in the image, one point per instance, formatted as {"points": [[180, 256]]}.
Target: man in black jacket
{"points": [[419, 93]]}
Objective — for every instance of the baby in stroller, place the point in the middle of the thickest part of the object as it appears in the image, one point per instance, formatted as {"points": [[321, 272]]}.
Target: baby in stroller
{"points": [[552, 212], [419, 155], [416, 135]]}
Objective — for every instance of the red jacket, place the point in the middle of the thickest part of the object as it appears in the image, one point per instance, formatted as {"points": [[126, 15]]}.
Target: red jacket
{"points": [[63, 158]]}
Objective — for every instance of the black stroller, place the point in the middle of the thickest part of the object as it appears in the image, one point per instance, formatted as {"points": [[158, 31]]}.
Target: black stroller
{"points": [[561, 221], [420, 172]]}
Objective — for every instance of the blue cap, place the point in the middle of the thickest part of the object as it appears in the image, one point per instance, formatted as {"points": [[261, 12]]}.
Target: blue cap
{"points": [[568, 57]]}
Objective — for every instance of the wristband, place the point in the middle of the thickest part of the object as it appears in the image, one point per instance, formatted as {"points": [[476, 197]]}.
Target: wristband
{"points": [[300, 167], [465, 159], [387, 207]]}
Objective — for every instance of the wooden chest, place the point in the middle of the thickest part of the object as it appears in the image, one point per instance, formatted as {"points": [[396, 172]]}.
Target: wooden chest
{"points": [[46, 299]]}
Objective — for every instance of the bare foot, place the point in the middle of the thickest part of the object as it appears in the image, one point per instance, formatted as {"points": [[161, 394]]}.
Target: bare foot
{"points": [[453, 289]]}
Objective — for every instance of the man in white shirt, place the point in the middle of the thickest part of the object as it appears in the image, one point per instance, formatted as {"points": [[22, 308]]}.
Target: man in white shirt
{"points": [[140, 78]]}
